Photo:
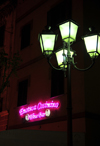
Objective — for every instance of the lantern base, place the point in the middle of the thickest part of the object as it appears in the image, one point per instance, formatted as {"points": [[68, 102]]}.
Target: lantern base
{"points": [[69, 39], [93, 54]]}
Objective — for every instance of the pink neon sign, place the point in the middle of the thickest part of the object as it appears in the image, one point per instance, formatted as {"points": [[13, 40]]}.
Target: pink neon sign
{"points": [[34, 112]]}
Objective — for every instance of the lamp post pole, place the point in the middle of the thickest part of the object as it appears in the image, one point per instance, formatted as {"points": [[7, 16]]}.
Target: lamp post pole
{"points": [[69, 100]]}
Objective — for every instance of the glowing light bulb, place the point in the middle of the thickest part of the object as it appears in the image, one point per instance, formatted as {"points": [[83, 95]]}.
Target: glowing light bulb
{"points": [[27, 117], [47, 112]]}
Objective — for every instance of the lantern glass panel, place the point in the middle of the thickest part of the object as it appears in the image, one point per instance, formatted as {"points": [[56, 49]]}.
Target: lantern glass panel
{"points": [[64, 29], [73, 31], [41, 44], [99, 44]]}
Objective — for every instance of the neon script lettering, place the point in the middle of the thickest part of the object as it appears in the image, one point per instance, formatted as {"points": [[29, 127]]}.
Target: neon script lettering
{"points": [[34, 116], [47, 105], [38, 107], [26, 110]]}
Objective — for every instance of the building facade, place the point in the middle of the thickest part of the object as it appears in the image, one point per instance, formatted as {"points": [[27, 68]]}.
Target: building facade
{"points": [[37, 98]]}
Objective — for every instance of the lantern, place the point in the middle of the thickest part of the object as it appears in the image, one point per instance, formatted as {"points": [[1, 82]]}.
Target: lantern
{"points": [[61, 56], [92, 43], [68, 31], [47, 41]]}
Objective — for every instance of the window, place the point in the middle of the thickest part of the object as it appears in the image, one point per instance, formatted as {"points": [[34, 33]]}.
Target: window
{"points": [[1, 101], [22, 92], [58, 14], [25, 36], [0, 73], [2, 30], [57, 83]]}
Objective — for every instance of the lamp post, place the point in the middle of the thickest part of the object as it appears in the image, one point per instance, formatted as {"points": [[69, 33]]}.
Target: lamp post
{"points": [[65, 58]]}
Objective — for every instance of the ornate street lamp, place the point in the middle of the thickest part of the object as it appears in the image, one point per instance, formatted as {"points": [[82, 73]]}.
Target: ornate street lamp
{"points": [[65, 57]]}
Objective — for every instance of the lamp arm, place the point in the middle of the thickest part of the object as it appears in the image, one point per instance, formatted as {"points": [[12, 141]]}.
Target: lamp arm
{"points": [[93, 62]]}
